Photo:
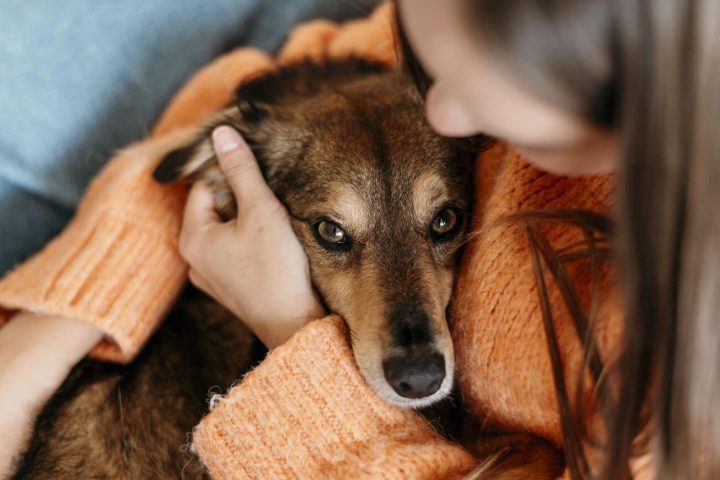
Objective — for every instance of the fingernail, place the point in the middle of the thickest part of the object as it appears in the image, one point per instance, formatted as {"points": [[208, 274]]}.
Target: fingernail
{"points": [[226, 139]]}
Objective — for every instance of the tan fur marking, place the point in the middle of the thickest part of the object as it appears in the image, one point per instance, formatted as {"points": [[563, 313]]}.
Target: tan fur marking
{"points": [[347, 208], [429, 191]]}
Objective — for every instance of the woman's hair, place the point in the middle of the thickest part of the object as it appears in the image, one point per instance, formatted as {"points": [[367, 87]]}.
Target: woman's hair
{"points": [[650, 70]]}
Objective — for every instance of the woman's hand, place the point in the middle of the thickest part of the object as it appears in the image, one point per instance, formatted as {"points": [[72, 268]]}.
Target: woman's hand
{"points": [[36, 354], [254, 265]]}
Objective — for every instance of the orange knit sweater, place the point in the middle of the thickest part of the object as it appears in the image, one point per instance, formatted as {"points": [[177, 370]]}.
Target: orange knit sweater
{"points": [[306, 411]]}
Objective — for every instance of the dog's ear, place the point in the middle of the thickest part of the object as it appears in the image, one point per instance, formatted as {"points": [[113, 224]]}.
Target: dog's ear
{"points": [[196, 161], [174, 165], [188, 162], [264, 114]]}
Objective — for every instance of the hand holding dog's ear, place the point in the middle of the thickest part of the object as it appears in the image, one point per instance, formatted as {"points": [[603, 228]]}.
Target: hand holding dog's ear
{"points": [[243, 172], [254, 265]]}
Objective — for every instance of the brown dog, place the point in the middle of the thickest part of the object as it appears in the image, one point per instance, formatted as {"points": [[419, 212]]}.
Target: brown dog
{"points": [[380, 203], [377, 199]]}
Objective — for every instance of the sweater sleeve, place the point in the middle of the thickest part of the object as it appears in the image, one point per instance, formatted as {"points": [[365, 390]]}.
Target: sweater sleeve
{"points": [[116, 265], [306, 412]]}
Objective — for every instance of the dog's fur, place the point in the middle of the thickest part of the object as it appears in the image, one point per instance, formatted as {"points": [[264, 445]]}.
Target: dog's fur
{"points": [[345, 143], [133, 422]]}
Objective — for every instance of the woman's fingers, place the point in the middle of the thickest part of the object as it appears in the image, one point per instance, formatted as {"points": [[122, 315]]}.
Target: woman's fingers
{"points": [[199, 214], [200, 209], [242, 170]]}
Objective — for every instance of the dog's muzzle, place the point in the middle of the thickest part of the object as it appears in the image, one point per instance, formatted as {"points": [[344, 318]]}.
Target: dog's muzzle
{"points": [[416, 369]]}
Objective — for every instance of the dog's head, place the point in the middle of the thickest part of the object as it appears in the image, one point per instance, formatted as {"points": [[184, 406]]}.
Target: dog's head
{"points": [[378, 200]]}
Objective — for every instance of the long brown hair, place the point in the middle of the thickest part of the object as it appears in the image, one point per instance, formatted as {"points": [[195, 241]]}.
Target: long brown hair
{"points": [[649, 69]]}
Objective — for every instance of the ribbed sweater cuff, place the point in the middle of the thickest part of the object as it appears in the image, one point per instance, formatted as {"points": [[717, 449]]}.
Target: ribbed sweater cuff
{"points": [[117, 277], [116, 265], [306, 412]]}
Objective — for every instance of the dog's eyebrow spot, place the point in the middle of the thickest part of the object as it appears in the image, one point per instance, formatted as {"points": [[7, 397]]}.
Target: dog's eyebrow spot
{"points": [[348, 208], [429, 191]]}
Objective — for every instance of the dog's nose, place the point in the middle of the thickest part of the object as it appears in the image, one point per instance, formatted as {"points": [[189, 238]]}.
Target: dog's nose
{"points": [[415, 376]]}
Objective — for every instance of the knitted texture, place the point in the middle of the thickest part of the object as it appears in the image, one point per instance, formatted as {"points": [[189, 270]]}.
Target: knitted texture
{"points": [[497, 324], [327, 423], [116, 265]]}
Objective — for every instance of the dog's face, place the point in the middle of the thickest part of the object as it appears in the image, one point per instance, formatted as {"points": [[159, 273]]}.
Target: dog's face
{"points": [[380, 204]]}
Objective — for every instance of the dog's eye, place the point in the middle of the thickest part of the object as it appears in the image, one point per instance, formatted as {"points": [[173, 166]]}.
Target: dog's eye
{"points": [[331, 236], [445, 224], [331, 232]]}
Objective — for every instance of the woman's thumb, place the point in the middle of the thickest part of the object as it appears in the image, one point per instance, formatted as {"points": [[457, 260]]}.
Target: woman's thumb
{"points": [[240, 167]]}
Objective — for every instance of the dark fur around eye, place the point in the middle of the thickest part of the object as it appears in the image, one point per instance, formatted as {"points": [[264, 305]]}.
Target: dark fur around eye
{"points": [[324, 231]]}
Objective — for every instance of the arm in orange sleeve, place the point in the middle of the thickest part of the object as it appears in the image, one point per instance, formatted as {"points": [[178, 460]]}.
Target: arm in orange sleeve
{"points": [[307, 412]]}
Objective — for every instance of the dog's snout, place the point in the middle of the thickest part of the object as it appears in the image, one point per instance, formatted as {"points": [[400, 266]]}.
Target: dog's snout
{"points": [[415, 376], [410, 327]]}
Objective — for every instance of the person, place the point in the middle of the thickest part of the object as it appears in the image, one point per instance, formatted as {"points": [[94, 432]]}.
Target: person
{"points": [[579, 88]]}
